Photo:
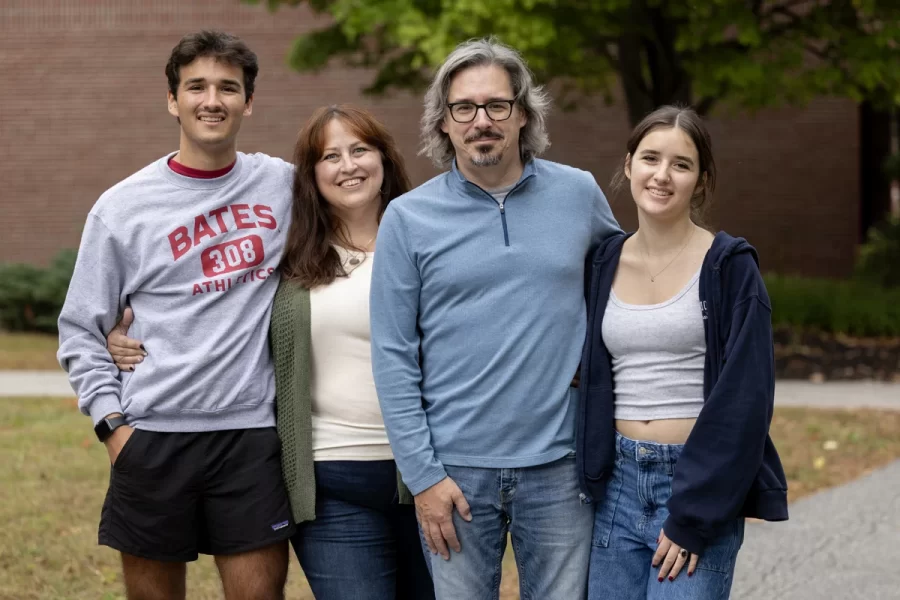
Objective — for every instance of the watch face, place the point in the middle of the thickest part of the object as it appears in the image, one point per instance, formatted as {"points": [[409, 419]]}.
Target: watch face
{"points": [[106, 426], [103, 429]]}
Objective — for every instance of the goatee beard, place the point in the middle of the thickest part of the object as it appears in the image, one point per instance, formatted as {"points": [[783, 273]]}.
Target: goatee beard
{"points": [[486, 160]]}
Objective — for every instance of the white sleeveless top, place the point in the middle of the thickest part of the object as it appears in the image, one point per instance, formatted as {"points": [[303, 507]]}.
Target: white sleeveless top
{"points": [[346, 417], [658, 353]]}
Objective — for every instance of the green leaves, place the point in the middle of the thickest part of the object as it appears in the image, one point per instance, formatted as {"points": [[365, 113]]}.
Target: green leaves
{"points": [[744, 52], [31, 297]]}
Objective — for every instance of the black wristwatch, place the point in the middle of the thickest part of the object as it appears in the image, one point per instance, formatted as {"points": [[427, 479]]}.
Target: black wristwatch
{"points": [[105, 427]]}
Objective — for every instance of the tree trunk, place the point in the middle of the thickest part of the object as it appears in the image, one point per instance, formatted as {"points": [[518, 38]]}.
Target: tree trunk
{"points": [[649, 49], [874, 148], [670, 83]]}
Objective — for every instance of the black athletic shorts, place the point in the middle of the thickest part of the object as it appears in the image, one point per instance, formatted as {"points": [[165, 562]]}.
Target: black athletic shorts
{"points": [[174, 495]]}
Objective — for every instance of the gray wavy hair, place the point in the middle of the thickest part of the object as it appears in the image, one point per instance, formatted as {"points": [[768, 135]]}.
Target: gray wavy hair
{"points": [[530, 98]]}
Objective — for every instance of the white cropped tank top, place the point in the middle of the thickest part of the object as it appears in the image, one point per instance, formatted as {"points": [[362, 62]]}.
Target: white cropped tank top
{"points": [[658, 353]]}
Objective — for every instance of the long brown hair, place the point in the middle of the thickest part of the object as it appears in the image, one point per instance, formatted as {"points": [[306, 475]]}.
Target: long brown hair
{"points": [[309, 256], [686, 119]]}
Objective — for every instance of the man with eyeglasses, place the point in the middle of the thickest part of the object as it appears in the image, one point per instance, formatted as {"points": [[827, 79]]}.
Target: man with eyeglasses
{"points": [[478, 319]]}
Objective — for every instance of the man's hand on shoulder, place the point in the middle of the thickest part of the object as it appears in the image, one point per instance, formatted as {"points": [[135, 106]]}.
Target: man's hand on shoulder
{"points": [[434, 509]]}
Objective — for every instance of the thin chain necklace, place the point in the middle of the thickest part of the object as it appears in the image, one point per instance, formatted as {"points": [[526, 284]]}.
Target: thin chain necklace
{"points": [[355, 260], [647, 266]]}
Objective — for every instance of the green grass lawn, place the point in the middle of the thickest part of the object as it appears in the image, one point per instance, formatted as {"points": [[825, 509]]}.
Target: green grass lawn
{"points": [[28, 351], [53, 477]]}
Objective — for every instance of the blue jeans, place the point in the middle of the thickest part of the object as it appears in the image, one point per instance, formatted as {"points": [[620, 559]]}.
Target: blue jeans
{"points": [[627, 524], [550, 527], [362, 545]]}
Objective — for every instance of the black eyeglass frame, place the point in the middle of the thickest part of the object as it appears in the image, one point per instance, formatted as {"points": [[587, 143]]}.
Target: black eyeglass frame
{"points": [[511, 103]]}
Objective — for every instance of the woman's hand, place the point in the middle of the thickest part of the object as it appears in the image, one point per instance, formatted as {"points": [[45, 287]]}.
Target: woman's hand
{"points": [[125, 351], [672, 558]]}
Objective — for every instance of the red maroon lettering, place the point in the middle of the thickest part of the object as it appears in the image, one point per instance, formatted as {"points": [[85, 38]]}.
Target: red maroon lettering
{"points": [[261, 274], [202, 230], [265, 216], [180, 241], [207, 284], [240, 219], [220, 285], [197, 289], [218, 216]]}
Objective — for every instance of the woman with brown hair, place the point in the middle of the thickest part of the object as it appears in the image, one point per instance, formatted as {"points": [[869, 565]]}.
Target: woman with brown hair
{"points": [[355, 539], [677, 382]]}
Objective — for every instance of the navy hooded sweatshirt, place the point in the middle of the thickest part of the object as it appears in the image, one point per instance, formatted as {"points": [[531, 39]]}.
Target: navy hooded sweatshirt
{"points": [[729, 467]]}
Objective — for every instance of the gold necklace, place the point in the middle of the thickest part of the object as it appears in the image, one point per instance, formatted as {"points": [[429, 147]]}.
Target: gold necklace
{"points": [[647, 266]]}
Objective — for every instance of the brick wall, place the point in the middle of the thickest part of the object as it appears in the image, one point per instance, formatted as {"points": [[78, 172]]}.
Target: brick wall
{"points": [[82, 105]]}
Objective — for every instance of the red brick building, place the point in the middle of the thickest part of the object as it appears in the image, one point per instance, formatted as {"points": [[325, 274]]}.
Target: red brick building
{"points": [[82, 105]]}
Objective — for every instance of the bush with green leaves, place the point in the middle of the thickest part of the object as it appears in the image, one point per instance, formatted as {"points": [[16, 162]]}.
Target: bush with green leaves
{"points": [[879, 257], [853, 307], [891, 167], [31, 297]]}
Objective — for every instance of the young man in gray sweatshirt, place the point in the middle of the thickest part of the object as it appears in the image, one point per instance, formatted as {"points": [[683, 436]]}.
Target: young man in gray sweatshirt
{"points": [[191, 243], [478, 321]]}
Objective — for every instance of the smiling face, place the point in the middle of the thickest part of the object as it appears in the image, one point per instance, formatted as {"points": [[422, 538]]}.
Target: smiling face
{"points": [[664, 173], [210, 104], [350, 172], [483, 142]]}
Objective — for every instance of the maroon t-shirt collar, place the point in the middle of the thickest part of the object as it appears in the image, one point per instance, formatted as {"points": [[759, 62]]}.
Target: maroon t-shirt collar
{"points": [[199, 173]]}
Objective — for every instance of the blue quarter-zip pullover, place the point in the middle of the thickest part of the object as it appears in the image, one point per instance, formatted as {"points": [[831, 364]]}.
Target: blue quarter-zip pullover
{"points": [[478, 319]]}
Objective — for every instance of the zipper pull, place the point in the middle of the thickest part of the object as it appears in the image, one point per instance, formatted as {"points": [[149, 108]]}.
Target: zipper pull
{"points": [[501, 207]]}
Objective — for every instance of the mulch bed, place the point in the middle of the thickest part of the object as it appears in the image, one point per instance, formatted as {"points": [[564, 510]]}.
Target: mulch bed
{"points": [[831, 357]]}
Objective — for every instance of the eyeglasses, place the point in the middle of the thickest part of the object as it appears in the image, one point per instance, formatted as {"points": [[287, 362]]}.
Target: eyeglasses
{"points": [[496, 110]]}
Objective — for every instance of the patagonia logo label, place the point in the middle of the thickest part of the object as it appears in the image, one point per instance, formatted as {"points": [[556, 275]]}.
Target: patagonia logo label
{"points": [[281, 525]]}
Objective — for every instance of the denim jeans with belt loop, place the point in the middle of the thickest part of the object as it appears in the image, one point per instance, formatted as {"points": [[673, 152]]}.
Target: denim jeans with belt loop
{"points": [[628, 521]]}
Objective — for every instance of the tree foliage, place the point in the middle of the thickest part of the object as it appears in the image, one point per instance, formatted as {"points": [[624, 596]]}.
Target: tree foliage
{"points": [[750, 53]]}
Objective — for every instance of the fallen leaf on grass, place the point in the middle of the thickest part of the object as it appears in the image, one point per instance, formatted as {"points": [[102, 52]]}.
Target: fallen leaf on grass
{"points": [[819, 463]]}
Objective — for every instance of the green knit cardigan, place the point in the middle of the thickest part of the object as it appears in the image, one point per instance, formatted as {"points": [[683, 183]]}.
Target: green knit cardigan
{"points": [[290, 342]]}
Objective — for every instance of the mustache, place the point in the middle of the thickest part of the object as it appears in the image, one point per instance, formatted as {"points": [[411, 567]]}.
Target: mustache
{"points": [[487, 134]]}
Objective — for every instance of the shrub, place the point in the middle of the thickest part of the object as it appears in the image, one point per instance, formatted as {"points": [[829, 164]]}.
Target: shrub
{"points": [[879, 257], [852, 307], [891, 167], [31, 297]]}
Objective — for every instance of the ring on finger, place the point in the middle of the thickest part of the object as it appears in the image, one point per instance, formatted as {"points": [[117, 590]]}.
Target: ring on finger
{"points": [[683, 553]]}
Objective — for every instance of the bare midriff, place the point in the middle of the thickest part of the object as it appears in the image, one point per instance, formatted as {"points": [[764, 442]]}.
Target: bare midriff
{"points": [[662, 431]]}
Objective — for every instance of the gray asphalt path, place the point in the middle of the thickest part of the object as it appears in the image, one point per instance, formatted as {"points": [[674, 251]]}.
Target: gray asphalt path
{"points": [[836, 394], [34, 383], [841, 544]]}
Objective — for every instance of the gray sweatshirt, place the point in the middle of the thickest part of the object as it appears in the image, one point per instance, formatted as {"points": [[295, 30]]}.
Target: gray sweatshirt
{"points": [[196, 259]]}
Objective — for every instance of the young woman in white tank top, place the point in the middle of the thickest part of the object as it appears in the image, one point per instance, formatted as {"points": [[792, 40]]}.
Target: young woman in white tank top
{"points": [[653, 330]]}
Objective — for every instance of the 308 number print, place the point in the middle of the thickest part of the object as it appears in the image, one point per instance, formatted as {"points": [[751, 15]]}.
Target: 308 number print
{"points": [[231, 256]]}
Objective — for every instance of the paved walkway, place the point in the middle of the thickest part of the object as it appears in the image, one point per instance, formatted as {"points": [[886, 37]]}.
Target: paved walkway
{"points": [[840, 544], [838, 394], [34, 383]]}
